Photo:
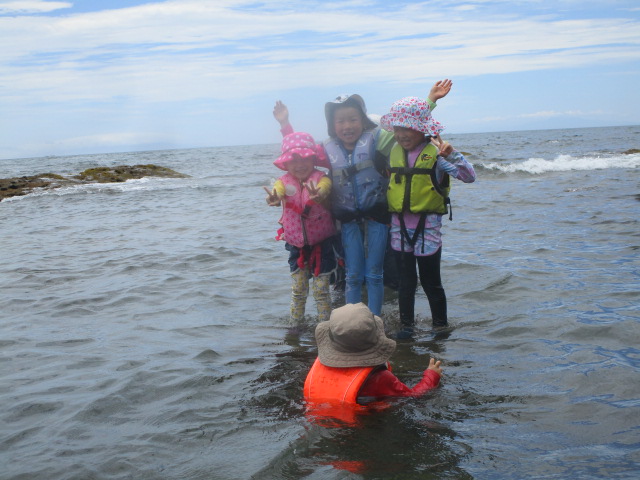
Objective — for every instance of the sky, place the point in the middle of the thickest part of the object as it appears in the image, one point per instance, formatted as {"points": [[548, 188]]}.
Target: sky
{"points": [[101, 76]]}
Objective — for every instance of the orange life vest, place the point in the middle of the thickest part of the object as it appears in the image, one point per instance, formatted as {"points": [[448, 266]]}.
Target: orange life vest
{"points": [[336, 385], [331, 395]]}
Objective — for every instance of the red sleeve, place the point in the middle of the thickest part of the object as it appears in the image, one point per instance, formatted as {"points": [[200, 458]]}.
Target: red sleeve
{"points": [[286, 130], [385, 384]]}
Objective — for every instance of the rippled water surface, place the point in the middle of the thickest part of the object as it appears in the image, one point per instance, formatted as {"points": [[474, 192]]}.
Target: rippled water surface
{"points": [[143, 325]]}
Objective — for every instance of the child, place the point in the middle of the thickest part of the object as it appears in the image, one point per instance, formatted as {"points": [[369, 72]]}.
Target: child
{"points": [[418, 196], [352, 365], [307, 224], [358, 151]]}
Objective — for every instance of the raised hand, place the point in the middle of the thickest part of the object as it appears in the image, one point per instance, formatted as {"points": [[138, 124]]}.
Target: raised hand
{"points": [[314, 192], [445, 149], [272, 198], [440, 89], [281, 113], [437, 141], [435, 366]]}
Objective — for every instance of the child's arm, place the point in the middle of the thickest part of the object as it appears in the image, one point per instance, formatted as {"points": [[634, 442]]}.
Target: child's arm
{"points": [[281, 114], [385, 384], [454, 163]]}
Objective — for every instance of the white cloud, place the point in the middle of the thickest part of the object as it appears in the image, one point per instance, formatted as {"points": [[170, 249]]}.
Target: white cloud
{"points": [[31, 6], [197, 52], [110, 140], [184, 50]]}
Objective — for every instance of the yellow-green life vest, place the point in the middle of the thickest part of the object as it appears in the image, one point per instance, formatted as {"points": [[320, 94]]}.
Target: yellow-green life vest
{"points": [[416, 189]]}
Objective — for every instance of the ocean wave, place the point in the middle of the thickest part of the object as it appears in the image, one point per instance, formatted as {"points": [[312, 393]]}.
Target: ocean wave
{"points": [[564, 163]]}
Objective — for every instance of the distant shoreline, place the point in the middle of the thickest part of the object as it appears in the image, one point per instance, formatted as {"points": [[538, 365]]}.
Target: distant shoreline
{"points": [[132, 148]]}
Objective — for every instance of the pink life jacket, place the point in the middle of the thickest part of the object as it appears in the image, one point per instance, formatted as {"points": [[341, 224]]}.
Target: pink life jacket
{"points": [[304, 222]]}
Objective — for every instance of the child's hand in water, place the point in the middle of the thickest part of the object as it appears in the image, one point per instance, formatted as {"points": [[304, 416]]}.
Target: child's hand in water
{"points": [[440, 90], [435, 366], [272, 197], [281, 113]]}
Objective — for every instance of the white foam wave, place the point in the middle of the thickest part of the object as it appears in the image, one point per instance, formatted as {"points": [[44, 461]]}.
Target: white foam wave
{"points": [[564, 163]]}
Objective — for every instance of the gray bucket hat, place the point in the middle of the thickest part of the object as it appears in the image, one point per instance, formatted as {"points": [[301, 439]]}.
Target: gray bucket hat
{"points": [[353, 100], [353, 337]]}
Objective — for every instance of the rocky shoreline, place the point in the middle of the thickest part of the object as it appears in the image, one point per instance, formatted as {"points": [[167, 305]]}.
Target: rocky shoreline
{"points": [[16, 186]]}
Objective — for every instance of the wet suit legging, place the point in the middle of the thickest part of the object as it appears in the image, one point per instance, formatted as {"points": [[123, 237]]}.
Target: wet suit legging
{"points": [[429, 269]]}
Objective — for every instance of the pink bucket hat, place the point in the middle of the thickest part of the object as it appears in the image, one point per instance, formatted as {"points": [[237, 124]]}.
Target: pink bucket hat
{"points": [[303, 145], [413, 113]]}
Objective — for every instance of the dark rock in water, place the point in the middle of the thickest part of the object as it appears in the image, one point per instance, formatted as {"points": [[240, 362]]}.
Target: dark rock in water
{"points": [[11, 187], [125, 172], [631, 151], [207, 355]]}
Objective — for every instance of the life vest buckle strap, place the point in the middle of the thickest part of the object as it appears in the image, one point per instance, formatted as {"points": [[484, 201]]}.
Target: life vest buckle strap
{"points": [[351, 170], [401, 172]]}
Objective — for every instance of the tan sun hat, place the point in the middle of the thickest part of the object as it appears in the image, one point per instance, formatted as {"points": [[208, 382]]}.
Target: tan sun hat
{"points": [[353, 337]]}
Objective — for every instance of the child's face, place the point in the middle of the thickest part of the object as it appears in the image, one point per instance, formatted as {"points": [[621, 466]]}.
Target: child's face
{"points": [[347, 122], [299, 167], [408, 138]]}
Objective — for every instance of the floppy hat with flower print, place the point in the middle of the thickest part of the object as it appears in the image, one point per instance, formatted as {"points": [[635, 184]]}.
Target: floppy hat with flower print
{"points": [[413, 113]]}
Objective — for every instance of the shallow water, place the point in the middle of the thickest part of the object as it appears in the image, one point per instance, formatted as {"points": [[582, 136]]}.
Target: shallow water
{"points": [[144, 325]]}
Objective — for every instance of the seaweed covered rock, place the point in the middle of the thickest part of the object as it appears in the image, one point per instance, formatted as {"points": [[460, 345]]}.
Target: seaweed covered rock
{"points": [[11, 187], [123, 173]]}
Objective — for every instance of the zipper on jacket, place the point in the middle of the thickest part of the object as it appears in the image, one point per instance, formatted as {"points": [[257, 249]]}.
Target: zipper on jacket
{"points": [[304, 228]]}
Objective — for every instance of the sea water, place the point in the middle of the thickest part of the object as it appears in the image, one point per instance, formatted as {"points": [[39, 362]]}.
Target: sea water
{"points": [[143, 325]]}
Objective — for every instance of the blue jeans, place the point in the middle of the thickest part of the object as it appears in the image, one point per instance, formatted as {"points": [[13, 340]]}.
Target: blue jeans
{"points": [[364, 246]]}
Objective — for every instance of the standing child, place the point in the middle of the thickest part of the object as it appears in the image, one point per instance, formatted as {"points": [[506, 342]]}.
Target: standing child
{"points": [[307, 225], [358, 151], [418, 196]]}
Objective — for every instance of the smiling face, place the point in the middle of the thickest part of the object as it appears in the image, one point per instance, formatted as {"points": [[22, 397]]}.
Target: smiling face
{"points": [[299, 167], [408, 138], [347, 122]]}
